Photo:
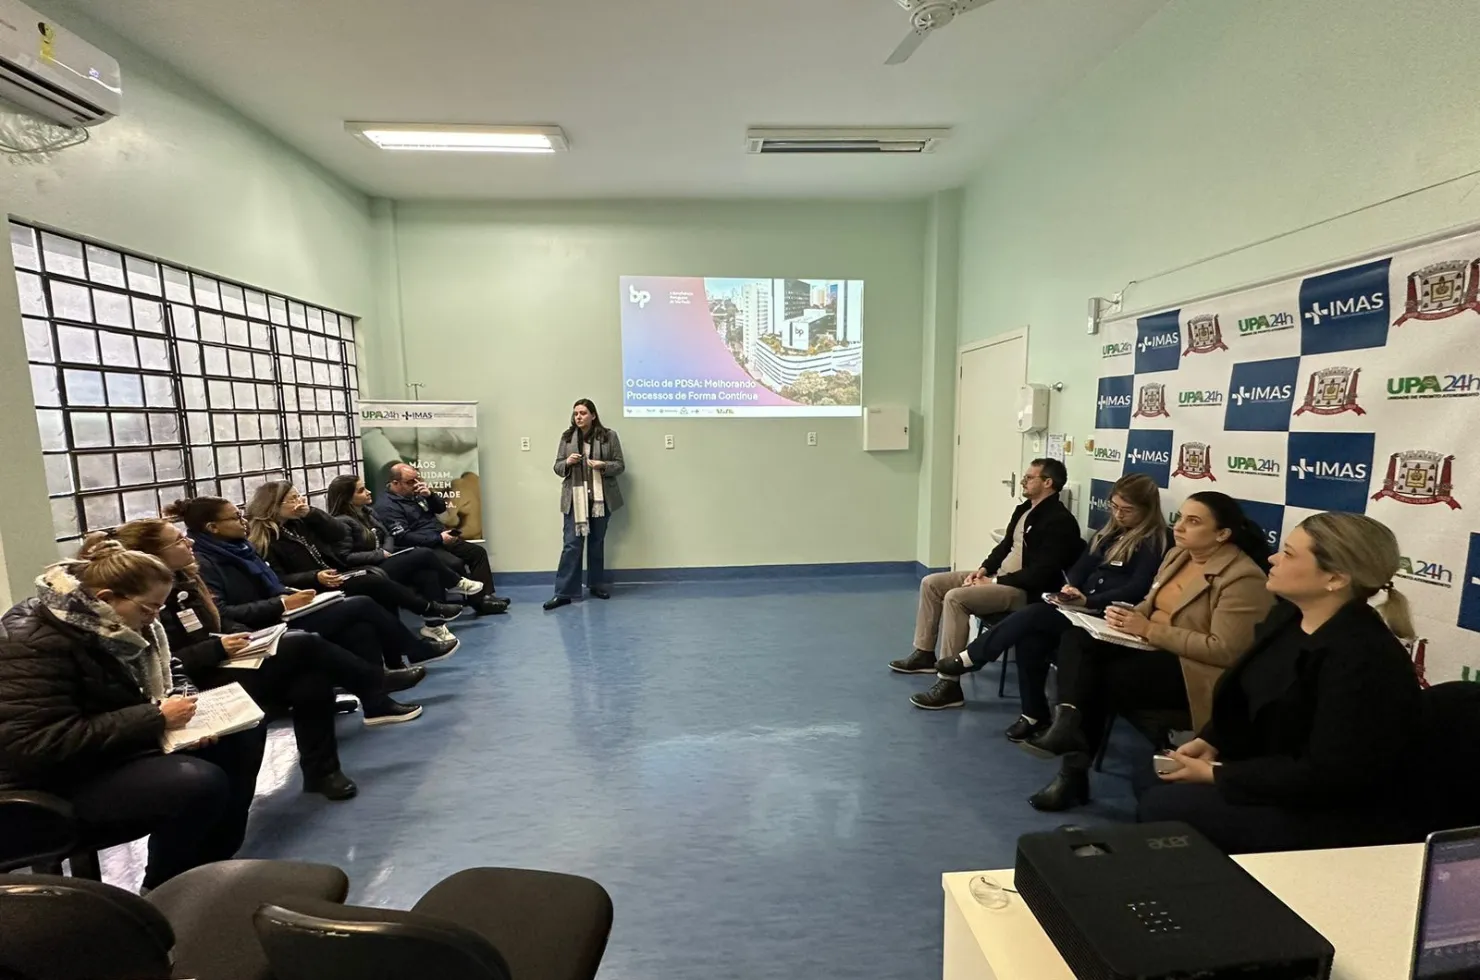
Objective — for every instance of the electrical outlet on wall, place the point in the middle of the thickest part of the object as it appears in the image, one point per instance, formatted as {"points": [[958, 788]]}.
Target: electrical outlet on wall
{"points": [[811, 438], [667, 442], [524, 443]]}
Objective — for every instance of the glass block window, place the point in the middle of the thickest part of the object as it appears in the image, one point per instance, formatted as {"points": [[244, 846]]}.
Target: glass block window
{"points": [[153, 381]]}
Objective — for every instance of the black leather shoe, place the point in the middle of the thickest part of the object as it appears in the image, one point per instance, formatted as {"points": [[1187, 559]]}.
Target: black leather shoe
{"points": [[599, 593], [443, 610], [945, 694], [953, 667], [402, 680], [918, 662], [1023, 729], [490, 605], [335, 786], [1070, 788], [555, 602], [386, 711], [430, 651], [1065, 735]]}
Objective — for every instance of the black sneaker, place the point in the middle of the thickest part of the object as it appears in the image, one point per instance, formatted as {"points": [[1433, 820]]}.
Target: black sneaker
{"points": [[490, 605], [402, 680], [335, 786], [385, 711], [1023, 729], [443, 611], [433, 650], [945, 694], [918, 662]]}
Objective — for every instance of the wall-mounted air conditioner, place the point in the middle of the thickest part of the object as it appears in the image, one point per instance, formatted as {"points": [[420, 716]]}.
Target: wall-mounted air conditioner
{"points": [[52, 72]]}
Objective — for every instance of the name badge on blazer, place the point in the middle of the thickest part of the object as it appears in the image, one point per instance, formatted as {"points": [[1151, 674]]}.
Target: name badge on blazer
{"points": [[190, 621], [1116, 564]]}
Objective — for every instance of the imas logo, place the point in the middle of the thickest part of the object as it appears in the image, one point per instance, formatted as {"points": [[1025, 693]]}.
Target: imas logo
{"points": [[1158, 342], [1149, 451], [1261, 394], [1099, 503], [1254, 466], [639, 296], [381, 415], [1200, 398], [1346, 309], [1107, 454], [1269, 517], [1427, 572], [1410, 386], [1113, 402], [1266, 323], [1329, 470], [1120, 349]]}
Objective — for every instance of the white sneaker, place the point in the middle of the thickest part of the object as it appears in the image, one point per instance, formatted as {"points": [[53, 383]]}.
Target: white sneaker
{"points": [[466, 586], [439, 633]]}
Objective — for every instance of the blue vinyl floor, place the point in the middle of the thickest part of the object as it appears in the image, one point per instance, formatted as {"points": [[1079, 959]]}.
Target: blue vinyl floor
{"points": [[732, 760]]}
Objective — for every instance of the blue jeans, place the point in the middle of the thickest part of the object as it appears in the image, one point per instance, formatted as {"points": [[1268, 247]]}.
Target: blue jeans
{"points": [[568, 575]]}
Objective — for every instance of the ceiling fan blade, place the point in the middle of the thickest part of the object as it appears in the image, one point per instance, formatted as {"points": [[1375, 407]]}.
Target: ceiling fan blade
{"points": [[907, 47]]}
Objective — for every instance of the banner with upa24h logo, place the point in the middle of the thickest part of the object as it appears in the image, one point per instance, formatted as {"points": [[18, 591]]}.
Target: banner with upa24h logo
{"points": [[1354, 389]]}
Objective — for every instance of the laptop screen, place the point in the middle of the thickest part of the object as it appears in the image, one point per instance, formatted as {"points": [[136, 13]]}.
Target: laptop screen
{"points": [[1448, 941]]}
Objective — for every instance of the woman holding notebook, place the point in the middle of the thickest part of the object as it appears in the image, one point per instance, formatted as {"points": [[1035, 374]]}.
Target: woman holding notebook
{"points": [[298, 679], [88, 691], [1198, 618]]}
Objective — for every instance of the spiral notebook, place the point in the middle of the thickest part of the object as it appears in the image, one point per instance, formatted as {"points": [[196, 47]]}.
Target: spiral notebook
{"points": [[1101, 630], [220, 711]]}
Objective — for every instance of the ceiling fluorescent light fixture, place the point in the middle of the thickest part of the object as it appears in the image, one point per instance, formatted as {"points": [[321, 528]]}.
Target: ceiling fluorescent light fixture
{"points": [[460, 139], [833, 139]]}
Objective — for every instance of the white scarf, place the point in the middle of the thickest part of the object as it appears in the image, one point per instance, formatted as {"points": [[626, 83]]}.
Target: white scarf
{"points": [[587, 498]]}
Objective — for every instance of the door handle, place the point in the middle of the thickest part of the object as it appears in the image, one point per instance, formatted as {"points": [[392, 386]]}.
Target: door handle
{"points": [[1009, 483]]}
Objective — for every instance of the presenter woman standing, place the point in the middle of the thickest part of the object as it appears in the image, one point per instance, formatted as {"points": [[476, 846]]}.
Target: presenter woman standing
{"points": [[589, 460]]}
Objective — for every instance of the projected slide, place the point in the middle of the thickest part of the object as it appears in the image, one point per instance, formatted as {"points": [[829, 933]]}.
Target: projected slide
{"points": [[741, 347]]}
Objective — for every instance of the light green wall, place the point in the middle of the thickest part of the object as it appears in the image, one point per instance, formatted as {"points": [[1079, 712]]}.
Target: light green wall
{"points": [[937, 424], [1221, 122], [180, 176], [515, 305]]}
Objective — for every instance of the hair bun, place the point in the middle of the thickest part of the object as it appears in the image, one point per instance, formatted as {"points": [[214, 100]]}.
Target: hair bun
{"points": [[104, 548], [175, 510]]}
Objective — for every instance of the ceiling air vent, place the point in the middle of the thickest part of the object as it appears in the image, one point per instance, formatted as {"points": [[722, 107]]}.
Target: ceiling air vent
{"points": [[801, 140]]}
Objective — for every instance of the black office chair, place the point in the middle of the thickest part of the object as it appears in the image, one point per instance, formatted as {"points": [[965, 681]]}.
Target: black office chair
{"points": [[984, 626], [479, 924], [198, 924], [38, 830]]}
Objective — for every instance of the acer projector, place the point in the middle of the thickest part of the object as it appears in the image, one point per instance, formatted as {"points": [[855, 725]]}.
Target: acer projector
{"points": [[1159, 902]]}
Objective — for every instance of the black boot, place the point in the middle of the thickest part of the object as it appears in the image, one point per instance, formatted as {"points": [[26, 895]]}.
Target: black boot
{"points": [[1063, 736], [918, 662], [336, 786], [1070, 788]]}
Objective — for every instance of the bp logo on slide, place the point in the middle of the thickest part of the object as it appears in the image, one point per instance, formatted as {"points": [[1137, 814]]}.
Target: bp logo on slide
{"points": [[1113, 404], [1345, 310], [1159, 342], [1260, 395], [1149, 451], [1269, 517], [1099, 503], [1469, 589], [1329, 470]]}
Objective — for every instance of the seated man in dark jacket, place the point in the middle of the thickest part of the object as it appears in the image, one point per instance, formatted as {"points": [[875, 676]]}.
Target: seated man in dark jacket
{"points": [[410, 510], [1042, 540]]}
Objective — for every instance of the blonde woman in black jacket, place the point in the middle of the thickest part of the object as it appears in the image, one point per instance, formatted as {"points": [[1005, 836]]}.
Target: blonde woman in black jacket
{"points": [[1315, 732]]}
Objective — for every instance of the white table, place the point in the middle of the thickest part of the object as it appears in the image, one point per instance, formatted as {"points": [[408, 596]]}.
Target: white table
{"points": [[1363, 900]]}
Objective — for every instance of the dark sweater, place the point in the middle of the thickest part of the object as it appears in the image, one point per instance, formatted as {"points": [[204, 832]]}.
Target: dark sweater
{"points": [[1334, 721], [1051, 543]]}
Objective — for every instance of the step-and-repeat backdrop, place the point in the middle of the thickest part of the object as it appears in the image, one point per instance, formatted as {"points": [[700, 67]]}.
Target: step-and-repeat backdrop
{"points": [[1355, 389]]}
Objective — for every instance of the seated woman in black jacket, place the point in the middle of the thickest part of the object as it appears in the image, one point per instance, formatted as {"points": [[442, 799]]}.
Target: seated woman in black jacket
{"points": [[1118, 567], [88, 689], [299, 679], [1315, 731], [246, 590], [304, 545], [369, 544]]}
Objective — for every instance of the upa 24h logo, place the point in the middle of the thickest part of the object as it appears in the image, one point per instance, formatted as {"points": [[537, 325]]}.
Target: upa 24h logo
{"points": [[1427, 572], [1419, 476], [1331, 391], [1253, 466], [1406, 387], [1204, 335], [1266, 323], [1151, 401], [1195, 461], [1442, 290]]}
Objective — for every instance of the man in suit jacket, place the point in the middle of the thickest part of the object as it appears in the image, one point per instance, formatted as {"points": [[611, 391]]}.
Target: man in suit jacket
{"points": [[1041, 541]]}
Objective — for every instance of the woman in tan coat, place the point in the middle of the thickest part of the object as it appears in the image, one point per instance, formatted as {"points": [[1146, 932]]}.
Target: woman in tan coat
{"points": [[1200, 616]]}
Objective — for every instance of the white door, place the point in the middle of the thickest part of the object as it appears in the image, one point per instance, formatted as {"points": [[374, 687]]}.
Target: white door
{"points": [[988, 445]]}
